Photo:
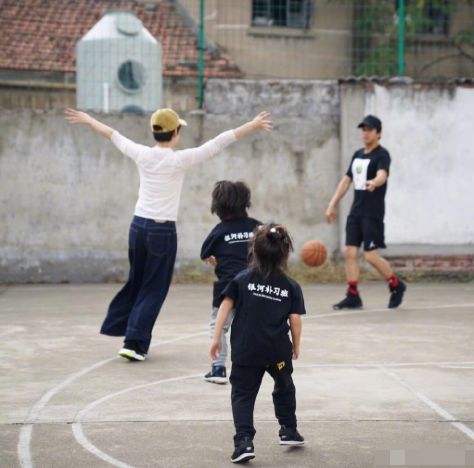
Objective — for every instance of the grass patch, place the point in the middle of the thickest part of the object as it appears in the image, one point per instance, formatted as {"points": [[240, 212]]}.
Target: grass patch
{"points": [[331, 272]]}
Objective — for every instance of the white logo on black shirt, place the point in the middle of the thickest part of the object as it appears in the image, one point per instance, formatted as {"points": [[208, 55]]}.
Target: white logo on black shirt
{"points": [[267, 291], [359, 173], [238, 237]]}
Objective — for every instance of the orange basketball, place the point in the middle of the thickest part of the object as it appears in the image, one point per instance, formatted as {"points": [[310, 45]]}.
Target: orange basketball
{"points": [[313, 253]]}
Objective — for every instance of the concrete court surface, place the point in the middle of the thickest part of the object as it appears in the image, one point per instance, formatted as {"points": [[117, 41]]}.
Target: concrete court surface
{"points": [[375, 387]]}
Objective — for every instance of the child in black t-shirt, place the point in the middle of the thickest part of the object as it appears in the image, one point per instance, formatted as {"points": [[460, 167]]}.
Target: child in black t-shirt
{"points": [[226, 248], [268, 304]]}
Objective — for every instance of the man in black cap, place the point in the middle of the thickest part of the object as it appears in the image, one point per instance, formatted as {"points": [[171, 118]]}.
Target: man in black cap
{"points": [[368, 170]]}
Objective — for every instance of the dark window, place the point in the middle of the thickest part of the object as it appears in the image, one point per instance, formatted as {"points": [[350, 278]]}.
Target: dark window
{"points": [[131, 75], [290, 13], [430, 16], [437, 17]]}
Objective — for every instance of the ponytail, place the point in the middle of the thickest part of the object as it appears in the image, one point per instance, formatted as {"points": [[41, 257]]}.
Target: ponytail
{"points": [[270, 249]]}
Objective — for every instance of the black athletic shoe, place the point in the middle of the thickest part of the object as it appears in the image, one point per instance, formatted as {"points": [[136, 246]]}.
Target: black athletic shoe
{"points": [[351, 301], [217, 375], [290, 436], [396, 294], [243, 452]]}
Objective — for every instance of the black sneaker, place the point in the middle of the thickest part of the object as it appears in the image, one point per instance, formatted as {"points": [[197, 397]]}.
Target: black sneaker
{"points": [[243, 452], [396, 294], [290, 436], [217, 375], [351, 301]]}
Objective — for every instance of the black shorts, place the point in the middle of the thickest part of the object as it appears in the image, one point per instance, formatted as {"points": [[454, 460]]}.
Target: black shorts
{"points": [[370, 231]]}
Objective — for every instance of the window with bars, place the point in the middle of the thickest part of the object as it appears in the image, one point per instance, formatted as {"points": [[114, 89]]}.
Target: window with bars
{"points": [[437, 18], [429, 16], [282, 13]]}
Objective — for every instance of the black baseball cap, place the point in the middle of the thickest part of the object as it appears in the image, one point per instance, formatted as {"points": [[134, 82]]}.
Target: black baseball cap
{"points": [[371, 121]]}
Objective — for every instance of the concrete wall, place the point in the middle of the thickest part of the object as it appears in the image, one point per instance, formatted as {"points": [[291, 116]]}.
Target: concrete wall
{"points": [[428, 131], [38, 94], [67, 195]]}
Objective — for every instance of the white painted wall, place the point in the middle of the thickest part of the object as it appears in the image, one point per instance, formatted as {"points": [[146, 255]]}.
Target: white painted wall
{"points": [[430, 135]]}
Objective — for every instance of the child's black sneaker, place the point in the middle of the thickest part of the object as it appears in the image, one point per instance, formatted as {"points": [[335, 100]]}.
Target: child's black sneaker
{"points": [[396, 294], [217, 375], [243, 452], [351, 301], [290, 436]]}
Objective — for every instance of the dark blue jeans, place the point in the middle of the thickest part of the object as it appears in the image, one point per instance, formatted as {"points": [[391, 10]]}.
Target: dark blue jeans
{"points": [[152, 254]]}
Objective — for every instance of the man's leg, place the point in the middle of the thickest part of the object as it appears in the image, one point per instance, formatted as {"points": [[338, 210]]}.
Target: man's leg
{"points": [[379, 263], [374, 238], [351, 264]]}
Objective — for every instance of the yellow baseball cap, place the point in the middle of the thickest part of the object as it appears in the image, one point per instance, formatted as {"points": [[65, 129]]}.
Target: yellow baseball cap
{"points": [[167, 119]]}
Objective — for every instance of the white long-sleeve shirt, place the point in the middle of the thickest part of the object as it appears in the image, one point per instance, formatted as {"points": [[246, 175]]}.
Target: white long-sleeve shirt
{"points": [[162, 172]]}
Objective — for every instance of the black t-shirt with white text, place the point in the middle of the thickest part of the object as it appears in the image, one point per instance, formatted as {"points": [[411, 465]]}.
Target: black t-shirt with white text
{"points": [[259, 334], [364, 167], [228, 242]]}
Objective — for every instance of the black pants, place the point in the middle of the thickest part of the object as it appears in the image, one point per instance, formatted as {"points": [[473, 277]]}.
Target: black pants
{"points": [[152, 253], [246, 383]]}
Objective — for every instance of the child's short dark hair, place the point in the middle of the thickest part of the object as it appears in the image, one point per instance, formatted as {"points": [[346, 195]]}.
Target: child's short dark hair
{"points": [[230, 200], [270, 248], [162, 137]]}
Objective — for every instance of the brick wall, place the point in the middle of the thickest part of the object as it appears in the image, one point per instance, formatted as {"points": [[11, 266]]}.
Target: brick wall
{"points": [[434, 263]]}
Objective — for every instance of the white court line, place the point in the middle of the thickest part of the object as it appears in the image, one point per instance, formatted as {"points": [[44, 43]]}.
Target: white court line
{"points": [[87, 444], [24, 443], [460, 366], [431, 404]]}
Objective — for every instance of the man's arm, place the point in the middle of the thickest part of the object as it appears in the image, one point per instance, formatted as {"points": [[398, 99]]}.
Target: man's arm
{"points": [[295, 327], [223, 313], [378, 181], [77, 117], [341, 190]]}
